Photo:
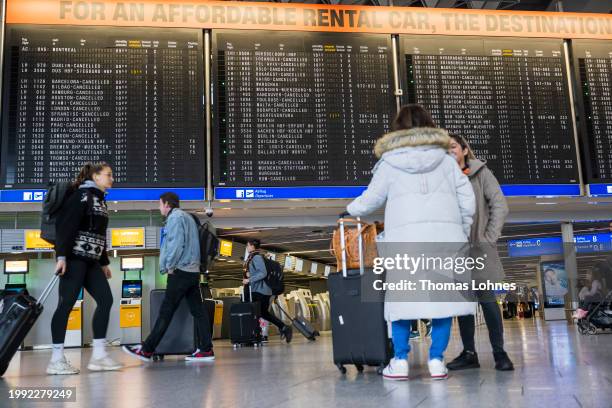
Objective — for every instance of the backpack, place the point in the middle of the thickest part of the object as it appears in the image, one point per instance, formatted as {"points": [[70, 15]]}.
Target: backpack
{"points": [[209, 243], [275, 277], [56, 196]]}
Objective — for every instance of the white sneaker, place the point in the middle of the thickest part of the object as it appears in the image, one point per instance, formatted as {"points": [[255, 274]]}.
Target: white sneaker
{"points": [[61, 367], [396, 370], [437, 369], [104, 364]]}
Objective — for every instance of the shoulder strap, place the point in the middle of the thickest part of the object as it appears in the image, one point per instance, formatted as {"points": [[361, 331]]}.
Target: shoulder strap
{"points": [[196, 219], [90, 208]]}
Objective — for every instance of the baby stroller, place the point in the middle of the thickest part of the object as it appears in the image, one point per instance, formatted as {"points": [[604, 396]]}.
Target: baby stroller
{"points": [[599, 314]]}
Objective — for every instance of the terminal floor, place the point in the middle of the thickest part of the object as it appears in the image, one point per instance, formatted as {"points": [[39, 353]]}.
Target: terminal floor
{"points": [[555, 367]]}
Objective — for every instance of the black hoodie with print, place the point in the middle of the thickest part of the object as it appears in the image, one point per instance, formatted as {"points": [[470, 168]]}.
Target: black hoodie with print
{"points": [[81, 226]]}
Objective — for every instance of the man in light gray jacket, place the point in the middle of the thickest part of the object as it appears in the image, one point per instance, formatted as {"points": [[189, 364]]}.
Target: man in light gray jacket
{"points": [[179, 258]]}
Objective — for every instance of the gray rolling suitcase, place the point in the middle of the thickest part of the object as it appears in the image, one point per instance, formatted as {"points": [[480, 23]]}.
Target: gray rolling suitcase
{"points": [[301, 325], [359, 330], [226, 321], [180, 336]]}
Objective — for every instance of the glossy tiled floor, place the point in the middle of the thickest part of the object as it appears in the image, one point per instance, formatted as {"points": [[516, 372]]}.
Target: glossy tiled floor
{"points": [[555, 367]]}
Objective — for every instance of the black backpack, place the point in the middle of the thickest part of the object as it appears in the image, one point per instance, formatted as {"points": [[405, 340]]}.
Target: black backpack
{"points": [[275, 277], [57, 193], [209, 243]]}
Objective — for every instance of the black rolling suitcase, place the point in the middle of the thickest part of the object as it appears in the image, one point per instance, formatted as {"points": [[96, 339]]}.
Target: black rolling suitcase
{"points": [[18, 313], [301, 325], [180, 336], [244, 323], [359, 330]]}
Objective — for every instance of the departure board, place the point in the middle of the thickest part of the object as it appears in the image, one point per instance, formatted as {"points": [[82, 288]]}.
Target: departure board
{"points": [[299, 109], [508, 97], [593, 62], [130, 97]]}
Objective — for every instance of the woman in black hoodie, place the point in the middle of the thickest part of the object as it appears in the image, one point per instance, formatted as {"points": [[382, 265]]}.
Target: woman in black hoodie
{"points": [[82, 262]]}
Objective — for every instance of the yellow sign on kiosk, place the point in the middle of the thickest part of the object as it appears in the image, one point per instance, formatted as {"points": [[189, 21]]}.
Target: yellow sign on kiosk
{"points": [[225, 247], [129, 316], [34, 241], [74, 319], [127, 237]]}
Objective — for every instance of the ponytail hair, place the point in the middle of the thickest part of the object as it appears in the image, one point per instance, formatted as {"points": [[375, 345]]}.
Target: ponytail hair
{"points": [[87, 172]]}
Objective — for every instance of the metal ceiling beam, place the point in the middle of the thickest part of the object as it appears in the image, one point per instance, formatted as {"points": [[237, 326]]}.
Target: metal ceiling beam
{"points": [[440, 3], [492, 4]]}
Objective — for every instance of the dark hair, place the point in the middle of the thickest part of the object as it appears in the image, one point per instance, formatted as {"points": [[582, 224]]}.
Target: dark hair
{"points": [[412, 116], [170, 198], [464, 145], [87, 172], [255, 242]]}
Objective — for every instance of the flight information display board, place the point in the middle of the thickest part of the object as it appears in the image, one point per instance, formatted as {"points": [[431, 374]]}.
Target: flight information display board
{"points": [[508, 97], [130, 97], [298, 109], [593, 64]]}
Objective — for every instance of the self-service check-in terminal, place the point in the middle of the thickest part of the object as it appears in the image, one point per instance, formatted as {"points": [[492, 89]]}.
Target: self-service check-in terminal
{"points": [[130, 309], [12, 268]]}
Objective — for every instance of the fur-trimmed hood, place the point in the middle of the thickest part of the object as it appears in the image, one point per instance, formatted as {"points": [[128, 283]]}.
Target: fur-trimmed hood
{"points": [[418, 150], [412, 138]]}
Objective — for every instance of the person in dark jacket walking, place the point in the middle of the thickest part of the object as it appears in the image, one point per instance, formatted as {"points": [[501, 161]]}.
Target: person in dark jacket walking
{"points": [[255, 275], [491, 212], [82, 262]]}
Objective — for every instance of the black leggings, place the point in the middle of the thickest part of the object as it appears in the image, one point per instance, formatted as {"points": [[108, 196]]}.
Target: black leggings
{"points": [[264, 301], [81, 274]]}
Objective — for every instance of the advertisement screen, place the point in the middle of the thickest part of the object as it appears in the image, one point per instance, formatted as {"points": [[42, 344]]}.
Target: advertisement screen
{"points": [[555, 284]]}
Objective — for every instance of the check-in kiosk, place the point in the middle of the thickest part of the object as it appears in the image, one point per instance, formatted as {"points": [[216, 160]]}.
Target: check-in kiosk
{"points": [[130, 309], [74, 328], [13, 268]]}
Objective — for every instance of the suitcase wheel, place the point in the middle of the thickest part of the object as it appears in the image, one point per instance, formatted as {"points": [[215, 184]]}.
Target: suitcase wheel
{"points": [[158, 357], [359, 368], [316, 333], [341, 368], [380, 369]]}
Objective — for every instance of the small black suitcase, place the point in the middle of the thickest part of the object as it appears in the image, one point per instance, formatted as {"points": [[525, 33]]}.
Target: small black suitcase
{"points": [[359, 329], [18, 313], [244, 324], [180, 336], [301, 325]]}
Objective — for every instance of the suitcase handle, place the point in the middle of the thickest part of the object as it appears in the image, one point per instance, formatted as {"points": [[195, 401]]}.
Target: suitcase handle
{"points": [[343, 245], [250, 293], [47, 290], [283, 310]]}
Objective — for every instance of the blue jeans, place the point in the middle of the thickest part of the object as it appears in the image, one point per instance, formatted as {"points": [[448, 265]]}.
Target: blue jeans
{"points": [[440, 335]]}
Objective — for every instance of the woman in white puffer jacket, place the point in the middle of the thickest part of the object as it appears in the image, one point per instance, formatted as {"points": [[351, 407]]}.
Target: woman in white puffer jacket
{"points": [[428, 200]]}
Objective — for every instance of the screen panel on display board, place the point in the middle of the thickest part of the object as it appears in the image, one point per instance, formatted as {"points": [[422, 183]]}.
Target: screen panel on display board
{"points": [[130, 97], [593, 65], [508, 97], [297, 114], [16, 266]]}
